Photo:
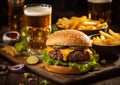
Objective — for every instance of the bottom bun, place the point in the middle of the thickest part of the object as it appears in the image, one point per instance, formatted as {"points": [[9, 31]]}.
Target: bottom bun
{"points": [[63, 69]]}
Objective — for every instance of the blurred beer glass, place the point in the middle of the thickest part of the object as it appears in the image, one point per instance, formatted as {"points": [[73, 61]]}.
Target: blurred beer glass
{"points": [[15, 14], [100, 10], [38, 24]]}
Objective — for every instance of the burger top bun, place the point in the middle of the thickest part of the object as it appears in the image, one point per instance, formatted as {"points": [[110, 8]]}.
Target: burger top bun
{"points": [[69, 38]]}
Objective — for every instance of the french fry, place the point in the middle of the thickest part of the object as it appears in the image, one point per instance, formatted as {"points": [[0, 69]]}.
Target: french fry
{"points": [[97, 40], [102, 38], [116, 35], [10, 50], [80, 23], [75, 24], [116, 43], [110, 38], [106, 34]]}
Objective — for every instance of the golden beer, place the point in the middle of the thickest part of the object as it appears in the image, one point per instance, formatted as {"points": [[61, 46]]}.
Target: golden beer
{"points": [[38, 24], [100, 10], [15, 14]]}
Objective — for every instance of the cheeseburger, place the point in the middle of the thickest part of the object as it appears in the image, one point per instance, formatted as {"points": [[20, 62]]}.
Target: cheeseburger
{"points": [[69, 52]]}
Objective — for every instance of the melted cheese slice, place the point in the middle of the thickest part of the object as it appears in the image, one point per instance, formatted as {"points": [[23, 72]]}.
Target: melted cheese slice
{"points": [[64, 52], [49, 49]]}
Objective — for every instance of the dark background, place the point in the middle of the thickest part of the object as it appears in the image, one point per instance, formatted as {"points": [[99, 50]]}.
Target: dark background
{"points": [[62, 8]]}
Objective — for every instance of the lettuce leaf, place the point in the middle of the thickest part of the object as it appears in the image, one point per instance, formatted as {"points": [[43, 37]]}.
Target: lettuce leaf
{"points": [[93, 63], [21, 46]]}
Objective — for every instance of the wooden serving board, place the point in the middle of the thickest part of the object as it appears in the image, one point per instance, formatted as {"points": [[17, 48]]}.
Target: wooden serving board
{"points": [[60, 78]]}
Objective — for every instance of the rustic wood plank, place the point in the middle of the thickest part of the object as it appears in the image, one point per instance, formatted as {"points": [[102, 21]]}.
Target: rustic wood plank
{"points": [[116, 80], [3, 79], [18, 78]]}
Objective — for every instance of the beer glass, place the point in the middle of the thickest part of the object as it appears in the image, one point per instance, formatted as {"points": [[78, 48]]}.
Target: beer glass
{"points": [[15, 15], [38, 24], [100, 10]]}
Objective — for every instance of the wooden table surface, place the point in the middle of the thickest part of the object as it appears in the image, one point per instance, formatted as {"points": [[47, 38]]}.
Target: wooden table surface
{"points": [[19, 78], [34, 79]]}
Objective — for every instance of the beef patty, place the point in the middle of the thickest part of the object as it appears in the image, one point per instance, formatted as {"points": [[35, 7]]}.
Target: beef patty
{"points": [[74, 56]]}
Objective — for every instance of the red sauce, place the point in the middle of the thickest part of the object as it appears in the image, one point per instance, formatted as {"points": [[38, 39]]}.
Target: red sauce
{"points": [[12, 35]]}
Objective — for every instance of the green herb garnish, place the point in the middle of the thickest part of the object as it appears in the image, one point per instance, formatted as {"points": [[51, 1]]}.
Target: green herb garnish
{"points": [[45, 82], [21, 46]]}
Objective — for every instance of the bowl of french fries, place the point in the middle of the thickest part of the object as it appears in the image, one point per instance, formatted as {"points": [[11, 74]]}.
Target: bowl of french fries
{"points": [[106, 43], [84, 24]]}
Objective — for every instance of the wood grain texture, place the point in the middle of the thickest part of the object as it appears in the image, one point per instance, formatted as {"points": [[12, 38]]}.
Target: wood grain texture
{"points": [[64, 79]]}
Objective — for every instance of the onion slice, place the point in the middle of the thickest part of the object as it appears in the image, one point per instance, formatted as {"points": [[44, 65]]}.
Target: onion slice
{"points": [[16, 68], [4, 72], [3, 67], [83, 62]]}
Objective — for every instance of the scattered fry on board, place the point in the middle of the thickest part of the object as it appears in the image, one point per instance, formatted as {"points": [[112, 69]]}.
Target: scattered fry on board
{"points": [[11, 50]]}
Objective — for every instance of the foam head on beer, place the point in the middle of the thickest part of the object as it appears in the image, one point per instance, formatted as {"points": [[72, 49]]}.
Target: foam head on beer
{"points": [[99, 1], [37, 11]]}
